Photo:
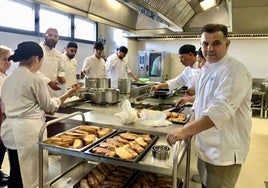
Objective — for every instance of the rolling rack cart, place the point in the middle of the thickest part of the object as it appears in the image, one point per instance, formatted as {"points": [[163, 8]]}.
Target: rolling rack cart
{"points": [[181, 150]]}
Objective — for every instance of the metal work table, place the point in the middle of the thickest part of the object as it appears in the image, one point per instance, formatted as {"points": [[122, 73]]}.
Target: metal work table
{"points": [[104, 116]]}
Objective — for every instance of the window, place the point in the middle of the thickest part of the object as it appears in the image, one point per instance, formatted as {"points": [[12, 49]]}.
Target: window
{"points": [[24, 15], [51, 18], [84, 29]]}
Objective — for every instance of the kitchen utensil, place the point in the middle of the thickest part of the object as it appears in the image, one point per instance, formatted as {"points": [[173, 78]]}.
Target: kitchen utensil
{"points": [[124, 85], [160, 152], [104, 95], [98, 83]]}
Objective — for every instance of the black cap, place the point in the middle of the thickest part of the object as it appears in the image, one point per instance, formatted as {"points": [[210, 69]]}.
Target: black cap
{"points": [[187, 48], [123, 49], [199, 52], [72, 45], [26, 50], [98, 46]]}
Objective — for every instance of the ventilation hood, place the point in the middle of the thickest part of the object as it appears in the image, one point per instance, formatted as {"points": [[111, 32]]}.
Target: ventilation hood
{"points": [[168, 17]]}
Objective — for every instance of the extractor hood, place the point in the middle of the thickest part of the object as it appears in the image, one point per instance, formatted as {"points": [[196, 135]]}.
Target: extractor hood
{"points": [[168, 17]]}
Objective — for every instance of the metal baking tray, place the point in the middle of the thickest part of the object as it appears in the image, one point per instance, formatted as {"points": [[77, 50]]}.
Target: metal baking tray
{"points": [[181, 122], [139, 157], [158, 180], [97, 140], [179, 109], [125, 184]]}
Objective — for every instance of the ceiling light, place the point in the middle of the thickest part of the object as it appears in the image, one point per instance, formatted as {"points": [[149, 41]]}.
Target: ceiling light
{"points": [[207, 4]]}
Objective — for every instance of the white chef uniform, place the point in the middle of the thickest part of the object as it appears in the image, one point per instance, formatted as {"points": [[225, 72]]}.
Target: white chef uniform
{"points": [[116, 69], [188, 77], [24, 108], [94, 67], [228, 142], [70, 72], [52, 66]]}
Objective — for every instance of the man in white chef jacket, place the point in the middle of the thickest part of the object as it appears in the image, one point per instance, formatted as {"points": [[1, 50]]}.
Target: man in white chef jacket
{"points": [[222, 114], [70, 64], [94, 66], [52, 68], [187, 56], [117, 67]]}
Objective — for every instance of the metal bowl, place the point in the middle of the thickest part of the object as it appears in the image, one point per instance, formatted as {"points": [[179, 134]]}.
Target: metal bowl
{"points": [[161, 152]]}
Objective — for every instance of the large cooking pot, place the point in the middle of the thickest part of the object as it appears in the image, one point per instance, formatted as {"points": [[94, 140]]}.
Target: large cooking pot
{"points": [[104, 95], [124, 85], [97, 82]]}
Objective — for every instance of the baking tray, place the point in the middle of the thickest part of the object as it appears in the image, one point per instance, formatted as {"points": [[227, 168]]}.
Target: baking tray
{"points": [[97, 140], [181, 122], [179, 109], [153, 180], [136, 159], [132, 175]]}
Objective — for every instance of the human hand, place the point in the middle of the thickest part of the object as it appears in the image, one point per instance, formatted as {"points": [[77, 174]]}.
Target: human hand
{"points": [[61, 79], [176, 135], [190, 91], [154, 88], [73, 90], [54, 85]]}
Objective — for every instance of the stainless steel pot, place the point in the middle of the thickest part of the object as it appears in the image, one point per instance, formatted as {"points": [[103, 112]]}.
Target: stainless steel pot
{"points": [[124, 85], [104, 95], [97, 82]]}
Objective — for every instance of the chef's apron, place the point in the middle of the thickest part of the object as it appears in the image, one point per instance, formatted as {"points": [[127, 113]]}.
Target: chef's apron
{"points": [[26, 131]]}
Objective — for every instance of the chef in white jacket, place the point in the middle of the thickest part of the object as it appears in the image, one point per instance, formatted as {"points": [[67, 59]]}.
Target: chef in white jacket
{"points": [[25, 104], [70, 64], [117, 68], [187, 56], [222, 113], [52, 69]]}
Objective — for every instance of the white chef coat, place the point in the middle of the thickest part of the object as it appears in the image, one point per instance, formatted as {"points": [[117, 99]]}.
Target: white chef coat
{"points": [[116, 69], [188, 77], [70, 72], [3, 76], [25, 98], [52, 66], [94, 67], [223, 93]]}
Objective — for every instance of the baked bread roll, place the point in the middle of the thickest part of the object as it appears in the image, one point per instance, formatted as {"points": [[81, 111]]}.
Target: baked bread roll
{"points": [[84, 184], [90, 128], [89, 139], [103, 132], [103, 151], [78, 143], [128, 135], [122, 153], [141, 142]]}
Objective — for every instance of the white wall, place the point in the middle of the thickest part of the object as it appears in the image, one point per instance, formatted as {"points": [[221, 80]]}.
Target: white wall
{"points": [[251, 52]]}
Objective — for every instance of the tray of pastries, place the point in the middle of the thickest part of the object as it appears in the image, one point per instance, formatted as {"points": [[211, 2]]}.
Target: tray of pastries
{"points": [[124, 145], [177, 117], [79, 138], [149, 179], [106, 175]]}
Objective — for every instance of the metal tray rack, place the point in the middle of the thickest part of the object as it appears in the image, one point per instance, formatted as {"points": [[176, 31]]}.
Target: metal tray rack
{"points": [[180, 150]]}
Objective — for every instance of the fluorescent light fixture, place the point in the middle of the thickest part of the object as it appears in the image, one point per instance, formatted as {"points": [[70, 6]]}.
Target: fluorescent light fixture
{"points": [[207, 4]]}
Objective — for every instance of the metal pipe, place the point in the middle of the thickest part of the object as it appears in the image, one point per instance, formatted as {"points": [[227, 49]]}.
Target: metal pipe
{"points": [[40, 139]]}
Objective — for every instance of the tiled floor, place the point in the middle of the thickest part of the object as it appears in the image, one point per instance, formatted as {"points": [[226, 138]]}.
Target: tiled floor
{"points": [[253, 174]]}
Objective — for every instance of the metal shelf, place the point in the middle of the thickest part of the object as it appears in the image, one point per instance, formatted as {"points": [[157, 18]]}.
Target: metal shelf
{"points": [[179, 151]]}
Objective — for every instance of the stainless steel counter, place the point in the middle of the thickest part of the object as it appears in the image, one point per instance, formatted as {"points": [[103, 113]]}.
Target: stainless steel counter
{"points": [[104, 115]]}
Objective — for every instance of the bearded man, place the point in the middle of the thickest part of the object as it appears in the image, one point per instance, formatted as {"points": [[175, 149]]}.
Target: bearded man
{"points": [[52, 69]]}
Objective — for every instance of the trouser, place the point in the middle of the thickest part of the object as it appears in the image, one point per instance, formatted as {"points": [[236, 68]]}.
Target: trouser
{"points": [[2, 153], [15, 180], [222, 176]]}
